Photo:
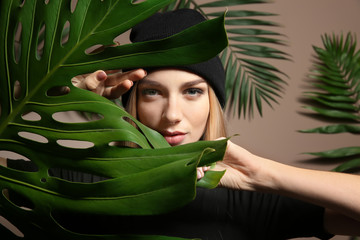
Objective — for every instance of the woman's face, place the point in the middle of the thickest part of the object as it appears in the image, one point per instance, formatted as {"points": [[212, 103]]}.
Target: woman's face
{"points": [[175, 103]]}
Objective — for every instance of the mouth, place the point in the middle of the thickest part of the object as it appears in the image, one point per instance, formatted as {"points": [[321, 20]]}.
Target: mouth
{"points": [[174, 138]]}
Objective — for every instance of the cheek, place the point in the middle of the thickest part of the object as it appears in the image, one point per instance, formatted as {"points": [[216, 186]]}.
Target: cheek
{"points": [[148, 114], [198, 115]]}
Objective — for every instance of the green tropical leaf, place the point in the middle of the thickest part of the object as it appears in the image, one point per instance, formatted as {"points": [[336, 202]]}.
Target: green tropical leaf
{"points": [[37, 62], [349, 165], [332, 129], [331, 98], [336, 105], [334, 113], [335, 74], [336, 153]]}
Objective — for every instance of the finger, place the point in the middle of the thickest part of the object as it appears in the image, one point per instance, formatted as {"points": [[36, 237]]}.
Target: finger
{"points": [[205, 168], [89, 81], [93, 80], [119, 83], [137, 74], [119, 77], [117, 91], [199, 173], [112, 71]]}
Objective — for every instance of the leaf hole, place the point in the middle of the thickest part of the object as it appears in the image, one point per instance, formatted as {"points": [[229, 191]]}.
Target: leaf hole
{"points": [[33, 137], [18, 199], [132, 123], [75, 144], [46, 2], [95, 49], [65, 33], [58, 91], [22, 2], [138, 1], [43, 180], [17, 90], [122, 38], [26, 165], [75, 176], [11, 227], [73, 5], [40, 42], [127, 119], [31, 116], [17, 42], [76, 117], [124, 144]]}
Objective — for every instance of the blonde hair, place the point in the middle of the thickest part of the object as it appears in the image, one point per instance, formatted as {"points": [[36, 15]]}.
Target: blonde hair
{"points": [[215, 126]]}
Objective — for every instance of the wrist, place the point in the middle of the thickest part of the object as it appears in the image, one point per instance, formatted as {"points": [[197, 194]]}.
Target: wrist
{"points": [[267, 176]]}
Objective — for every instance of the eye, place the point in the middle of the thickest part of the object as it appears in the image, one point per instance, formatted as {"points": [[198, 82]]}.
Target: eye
{"points": [[194, 91], [149, 92]]}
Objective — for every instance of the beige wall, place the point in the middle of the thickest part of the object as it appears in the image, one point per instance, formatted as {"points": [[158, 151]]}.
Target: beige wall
{"points": [[275, 134]]}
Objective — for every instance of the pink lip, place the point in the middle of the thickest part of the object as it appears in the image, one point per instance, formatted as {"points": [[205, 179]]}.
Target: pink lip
{"points": [[174, 138]]}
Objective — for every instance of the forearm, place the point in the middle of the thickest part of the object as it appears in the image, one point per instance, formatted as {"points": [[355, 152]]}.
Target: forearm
{"points": [[337, 191]]}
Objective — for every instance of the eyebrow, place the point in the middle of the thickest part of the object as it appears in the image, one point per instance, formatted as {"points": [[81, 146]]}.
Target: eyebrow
{"points": [[193, 83], [187, 84], [149, 82]]}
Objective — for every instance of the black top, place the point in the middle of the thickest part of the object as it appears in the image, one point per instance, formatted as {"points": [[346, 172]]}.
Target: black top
{"points": [[217, 214]]}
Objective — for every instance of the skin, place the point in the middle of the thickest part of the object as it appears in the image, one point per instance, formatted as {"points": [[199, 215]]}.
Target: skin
{"points": [[338, 193], [178, 109]]}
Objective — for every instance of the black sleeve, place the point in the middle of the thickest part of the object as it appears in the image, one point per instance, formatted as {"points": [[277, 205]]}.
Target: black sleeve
{"points": [[22, 165], [251, 215], [270, 216], [217, 214]]}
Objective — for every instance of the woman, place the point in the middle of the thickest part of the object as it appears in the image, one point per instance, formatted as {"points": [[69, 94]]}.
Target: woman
{"points": [[258, 198], [178, 109]]}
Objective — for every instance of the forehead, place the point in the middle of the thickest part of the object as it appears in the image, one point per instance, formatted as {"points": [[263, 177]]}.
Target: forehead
{"points": [[171, 76]]}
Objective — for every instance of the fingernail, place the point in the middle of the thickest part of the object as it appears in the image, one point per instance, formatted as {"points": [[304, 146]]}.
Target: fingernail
{"points": [[101, 76]]}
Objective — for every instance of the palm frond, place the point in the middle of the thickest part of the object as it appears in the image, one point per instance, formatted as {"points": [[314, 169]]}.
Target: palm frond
{"points": [[336, 76], [250, 81]]}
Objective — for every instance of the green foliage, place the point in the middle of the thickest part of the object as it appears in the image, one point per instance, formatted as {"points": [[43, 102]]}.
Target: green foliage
{"points": [[250, 79], [34, 67], [336, 75]]}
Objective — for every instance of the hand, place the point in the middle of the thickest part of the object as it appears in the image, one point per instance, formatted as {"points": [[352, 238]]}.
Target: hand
{"points": [[109, 84], [241, 167], [201, 172]]}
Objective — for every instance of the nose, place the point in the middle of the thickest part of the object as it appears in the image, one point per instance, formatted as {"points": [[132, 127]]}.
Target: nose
{"points": [[172, 111]]}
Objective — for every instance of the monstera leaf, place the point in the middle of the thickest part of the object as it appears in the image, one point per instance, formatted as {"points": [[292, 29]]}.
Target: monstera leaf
{"points": [[43, 45]]}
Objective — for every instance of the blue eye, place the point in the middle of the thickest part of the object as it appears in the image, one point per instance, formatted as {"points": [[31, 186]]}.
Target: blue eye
{"points": [[194, 91], [150, 92]]}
